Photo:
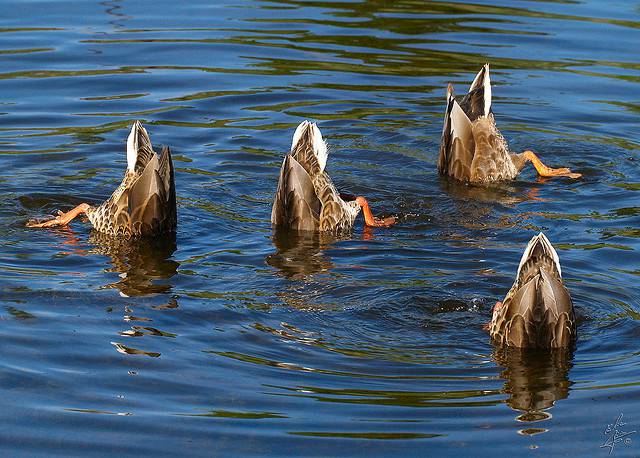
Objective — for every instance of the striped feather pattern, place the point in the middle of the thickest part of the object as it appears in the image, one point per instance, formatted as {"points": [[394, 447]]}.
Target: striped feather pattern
{"points": [[537, 312], [145, 202], [471, 148], [306, 198]]}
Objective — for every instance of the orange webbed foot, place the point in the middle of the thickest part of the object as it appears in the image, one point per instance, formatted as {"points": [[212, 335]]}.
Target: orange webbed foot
{"points": [[61, 220], [56, 221], [371, 220], [561, 172], [385, 222], [546, 171]]}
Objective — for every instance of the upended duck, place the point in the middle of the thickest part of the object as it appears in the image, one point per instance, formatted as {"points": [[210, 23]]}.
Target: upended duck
{"points": [[472, 148], [306, 198], [537, 312], [143, 205]]}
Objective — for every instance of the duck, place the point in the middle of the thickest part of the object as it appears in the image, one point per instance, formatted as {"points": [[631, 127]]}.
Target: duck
{"points": [[306, 199], [537, 312], [144, 205], [473, 150]]}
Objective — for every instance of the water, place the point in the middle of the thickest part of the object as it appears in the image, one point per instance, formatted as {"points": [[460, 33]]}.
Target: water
{"points": [[231, 340]]}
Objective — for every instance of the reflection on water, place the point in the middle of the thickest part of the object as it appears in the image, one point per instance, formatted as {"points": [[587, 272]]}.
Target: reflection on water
{"points": [[299, 257], [369, 345], [144, 266], [535, 380], [114, 8], [503, 193], [300, 254], [473, 207]]}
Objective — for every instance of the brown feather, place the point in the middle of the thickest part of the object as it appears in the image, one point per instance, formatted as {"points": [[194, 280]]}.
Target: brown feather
{"points": [[296, 205], [306, 198], [457, 154], [491, 158], [142, 145], [445, 140], [538, 311], [472, 148], [145, 202], [303, 153], [473, 103]]}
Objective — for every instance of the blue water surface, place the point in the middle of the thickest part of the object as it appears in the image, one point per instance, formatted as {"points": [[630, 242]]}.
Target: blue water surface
{"points": [[234, 341]]}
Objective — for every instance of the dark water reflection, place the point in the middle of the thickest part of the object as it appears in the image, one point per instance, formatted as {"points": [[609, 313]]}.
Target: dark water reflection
{"points": [[144, 266], [300, 254], [534, 381], [234, 340]]}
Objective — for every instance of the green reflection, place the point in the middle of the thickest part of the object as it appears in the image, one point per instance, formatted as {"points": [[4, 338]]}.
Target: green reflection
{"points": [[237, 415], [628, 186], [25, 51], [116, 97], [28, 29], [20, 314], [372, 435], [120, 348], [592, 246], [449, 398], [376, 9]]}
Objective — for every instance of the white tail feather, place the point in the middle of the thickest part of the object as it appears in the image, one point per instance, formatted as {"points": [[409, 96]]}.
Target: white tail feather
{"points": [[298, 133], [532, 243], [486, 82], [319, 146], [487, 93], [460, 124], [449, 97], [132, 145], [132, 153]]}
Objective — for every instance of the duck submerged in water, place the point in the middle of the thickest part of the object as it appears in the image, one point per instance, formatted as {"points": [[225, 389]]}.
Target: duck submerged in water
{"points": [[306, 198], [145, 202], [472, 148], [537, 312]]}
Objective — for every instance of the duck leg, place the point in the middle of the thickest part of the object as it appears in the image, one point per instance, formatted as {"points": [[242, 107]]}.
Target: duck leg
{"points": [[369, 219], [544, 170], [62, 219]]}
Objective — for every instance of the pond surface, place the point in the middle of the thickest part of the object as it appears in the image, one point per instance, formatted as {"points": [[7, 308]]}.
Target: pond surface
{"points": [[233, 341]]}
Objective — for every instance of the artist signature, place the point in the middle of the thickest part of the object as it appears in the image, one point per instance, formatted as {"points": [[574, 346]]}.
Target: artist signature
{"points": [[616, 435]]}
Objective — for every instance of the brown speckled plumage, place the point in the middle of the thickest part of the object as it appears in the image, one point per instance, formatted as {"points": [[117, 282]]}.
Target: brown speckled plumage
{"points": [[145, 202], [537, 312], [472, 149], [306, 198]]}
